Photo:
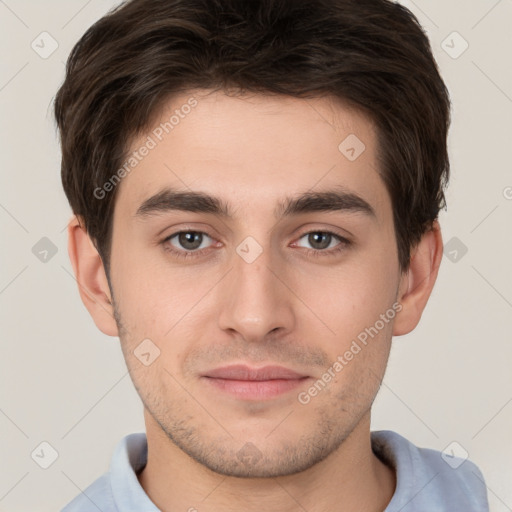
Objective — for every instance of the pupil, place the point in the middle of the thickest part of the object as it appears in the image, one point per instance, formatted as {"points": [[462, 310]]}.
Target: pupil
{"points": [[313, 239], [190, 240]]}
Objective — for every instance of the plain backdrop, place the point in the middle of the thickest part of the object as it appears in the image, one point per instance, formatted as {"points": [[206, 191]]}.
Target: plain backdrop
{"points": [[65, 383]]}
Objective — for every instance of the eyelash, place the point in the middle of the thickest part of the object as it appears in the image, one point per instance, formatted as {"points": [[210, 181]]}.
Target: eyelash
{"points": [[316, 253]]}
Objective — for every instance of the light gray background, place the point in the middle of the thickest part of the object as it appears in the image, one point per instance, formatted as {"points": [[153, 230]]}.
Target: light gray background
{"points": [[66, 383]]}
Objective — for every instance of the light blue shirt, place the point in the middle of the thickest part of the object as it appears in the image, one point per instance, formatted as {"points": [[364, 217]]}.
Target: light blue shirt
{"points": [[426, 482]]}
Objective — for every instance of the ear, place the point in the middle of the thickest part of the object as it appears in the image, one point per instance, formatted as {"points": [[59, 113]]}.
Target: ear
{"points": [[418, 281], [92, 280]]}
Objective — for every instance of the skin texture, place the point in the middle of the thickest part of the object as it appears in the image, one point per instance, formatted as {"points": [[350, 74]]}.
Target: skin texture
{"points": [[287, 307]]}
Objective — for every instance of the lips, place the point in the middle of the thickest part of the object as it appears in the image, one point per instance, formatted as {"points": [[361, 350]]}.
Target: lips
{"points": [[246, 383], [246, 373]]}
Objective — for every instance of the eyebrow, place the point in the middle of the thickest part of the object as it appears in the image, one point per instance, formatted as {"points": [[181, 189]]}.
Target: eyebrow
{"points": [[169, 199]]}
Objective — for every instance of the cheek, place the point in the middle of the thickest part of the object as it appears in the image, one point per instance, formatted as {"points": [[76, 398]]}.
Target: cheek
{"points": [[158, 300], [349, 298], [151, 297]]}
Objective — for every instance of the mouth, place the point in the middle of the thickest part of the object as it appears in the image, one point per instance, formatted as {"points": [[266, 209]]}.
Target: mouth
{"points": [[248, 383]]}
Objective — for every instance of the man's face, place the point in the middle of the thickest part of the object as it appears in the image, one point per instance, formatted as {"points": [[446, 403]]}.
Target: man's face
{"points": [[259, 287]]}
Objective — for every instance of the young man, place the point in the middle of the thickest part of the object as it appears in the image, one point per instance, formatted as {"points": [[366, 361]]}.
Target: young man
{"points": [[255, 188]]}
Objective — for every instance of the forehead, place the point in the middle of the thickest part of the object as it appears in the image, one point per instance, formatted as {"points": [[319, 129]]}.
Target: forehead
{"points": [[252, 149]]}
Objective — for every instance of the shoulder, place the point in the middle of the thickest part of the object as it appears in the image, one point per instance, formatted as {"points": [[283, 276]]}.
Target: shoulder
{"points": [[430, 478], [119, 486], [98, 496]]}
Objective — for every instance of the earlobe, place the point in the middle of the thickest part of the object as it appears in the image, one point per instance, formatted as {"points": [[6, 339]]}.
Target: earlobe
{"points": [[91, 278], [417, 283]]}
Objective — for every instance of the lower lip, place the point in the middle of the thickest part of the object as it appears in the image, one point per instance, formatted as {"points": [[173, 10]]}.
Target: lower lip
{"points": [[256, 389]]}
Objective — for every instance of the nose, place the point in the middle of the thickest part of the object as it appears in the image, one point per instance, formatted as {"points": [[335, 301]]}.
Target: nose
{"points": [[256, 298]]}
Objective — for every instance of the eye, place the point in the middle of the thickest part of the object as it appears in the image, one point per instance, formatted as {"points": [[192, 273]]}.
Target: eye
{"points": [[324, 242], [190, 244], [187, 241]]}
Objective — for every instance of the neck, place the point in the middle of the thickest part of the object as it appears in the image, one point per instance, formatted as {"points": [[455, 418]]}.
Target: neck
{"points": [[351, 478]]}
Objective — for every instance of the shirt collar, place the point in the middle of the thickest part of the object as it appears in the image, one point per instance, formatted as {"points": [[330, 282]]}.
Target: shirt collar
{"points": [[130, 456]]}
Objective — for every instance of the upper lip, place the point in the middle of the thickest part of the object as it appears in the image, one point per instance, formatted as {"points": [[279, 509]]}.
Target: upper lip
{"points": [[244, 372]]}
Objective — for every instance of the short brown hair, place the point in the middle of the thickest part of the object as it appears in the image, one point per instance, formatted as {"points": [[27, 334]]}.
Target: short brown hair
{"points": [[372, 54]]}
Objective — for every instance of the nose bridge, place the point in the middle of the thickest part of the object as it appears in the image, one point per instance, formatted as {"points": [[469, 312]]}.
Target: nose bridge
{"points": [[255, 301]]}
